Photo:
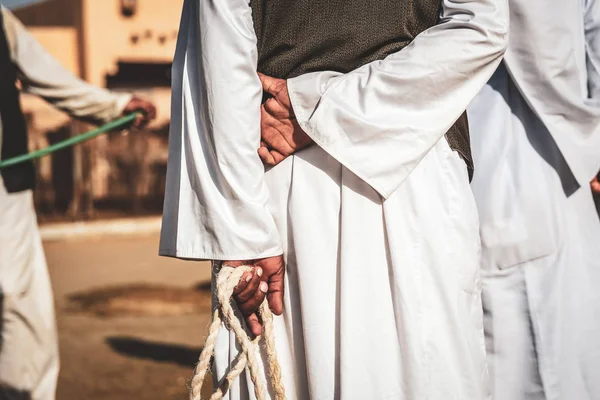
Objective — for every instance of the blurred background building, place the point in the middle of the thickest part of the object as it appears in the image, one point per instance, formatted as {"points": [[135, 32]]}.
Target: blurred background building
{"points": [[123, 45]]}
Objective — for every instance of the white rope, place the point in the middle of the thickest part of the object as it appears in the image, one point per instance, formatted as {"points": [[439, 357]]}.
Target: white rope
{"points": [[227, 280]]}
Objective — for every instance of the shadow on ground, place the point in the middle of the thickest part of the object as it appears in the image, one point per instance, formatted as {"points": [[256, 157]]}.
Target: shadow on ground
{"points": [[141, 299], [161, 352]]}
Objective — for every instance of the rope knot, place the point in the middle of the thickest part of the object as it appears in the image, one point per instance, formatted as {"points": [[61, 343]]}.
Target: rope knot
{"points": [[227, 280]]}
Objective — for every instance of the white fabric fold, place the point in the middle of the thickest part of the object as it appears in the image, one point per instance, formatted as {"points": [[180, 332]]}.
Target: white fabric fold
{"points": [[381, 119], [216, 198], [551, 72], [592, 46]]}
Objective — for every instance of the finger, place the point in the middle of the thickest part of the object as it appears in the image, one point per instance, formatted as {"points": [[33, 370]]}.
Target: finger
{"points": [[277, 156], [252, 286], [273, 133], [150, 115], [287, 128], [278, 89], [139, 121], [276, 292], [265, 156], [300, 138], [273, 107], [243, 283], [253, 303], [244, 279], [270, 157], [254, 324], [271, 85], [275, 141], [151, 112]]}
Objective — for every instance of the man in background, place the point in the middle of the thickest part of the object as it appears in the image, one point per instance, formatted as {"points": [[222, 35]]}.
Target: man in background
{"points": [[535, 130], [28, 344]]}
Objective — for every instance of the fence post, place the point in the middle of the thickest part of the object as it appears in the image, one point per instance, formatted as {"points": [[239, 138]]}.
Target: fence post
{"points": [[82, 203]]}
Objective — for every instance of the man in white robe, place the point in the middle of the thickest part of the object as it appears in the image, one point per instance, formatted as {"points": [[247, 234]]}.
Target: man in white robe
{"points": [[29, 362], [375, 222], [535, 131]]}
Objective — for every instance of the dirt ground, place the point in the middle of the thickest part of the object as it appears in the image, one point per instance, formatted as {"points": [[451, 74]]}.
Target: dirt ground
{"points": [[140, 347]]}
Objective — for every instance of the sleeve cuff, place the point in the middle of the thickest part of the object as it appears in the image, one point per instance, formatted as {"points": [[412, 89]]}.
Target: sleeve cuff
{"points": [[199, 254], [305, 93], [306, 90], [121, 101]]}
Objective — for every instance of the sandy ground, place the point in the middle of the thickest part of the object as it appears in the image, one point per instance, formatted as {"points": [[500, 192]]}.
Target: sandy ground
{"points": [[123, 357]]}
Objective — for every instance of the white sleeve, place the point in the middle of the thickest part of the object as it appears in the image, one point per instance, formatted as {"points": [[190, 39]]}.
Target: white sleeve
{"points": [[592, 46], [42, 75], [381, 119], [216, 197]]}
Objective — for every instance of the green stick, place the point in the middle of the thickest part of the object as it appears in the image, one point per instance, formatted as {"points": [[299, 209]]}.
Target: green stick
{"points": [[118, 123]]}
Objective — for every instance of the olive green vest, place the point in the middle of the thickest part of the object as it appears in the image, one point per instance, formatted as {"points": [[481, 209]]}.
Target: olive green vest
{"points": [[14, 130], [300, 36]]}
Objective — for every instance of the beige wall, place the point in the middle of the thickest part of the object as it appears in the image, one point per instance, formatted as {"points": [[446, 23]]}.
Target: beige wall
{"points": [[51, 13], [109, 36], [61, 42], [91, 36], [93, 49]]}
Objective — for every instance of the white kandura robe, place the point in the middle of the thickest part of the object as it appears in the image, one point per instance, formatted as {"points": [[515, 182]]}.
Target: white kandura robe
{"points": [[535, 132], [376, 222]]}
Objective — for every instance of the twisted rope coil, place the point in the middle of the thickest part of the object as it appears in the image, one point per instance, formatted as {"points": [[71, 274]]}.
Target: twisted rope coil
{"points": [[227, 280]]}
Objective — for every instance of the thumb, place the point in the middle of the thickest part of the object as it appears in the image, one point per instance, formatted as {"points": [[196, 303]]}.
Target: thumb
{"points": [[271, 85], [275, 293]]}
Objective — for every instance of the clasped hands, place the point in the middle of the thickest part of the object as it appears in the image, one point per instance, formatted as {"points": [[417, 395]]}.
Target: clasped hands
{"points": [[281, 136]]}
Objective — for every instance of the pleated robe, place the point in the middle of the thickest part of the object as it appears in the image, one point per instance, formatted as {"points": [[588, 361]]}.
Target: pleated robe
{"points": [[535, 131], [376, 220]]}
